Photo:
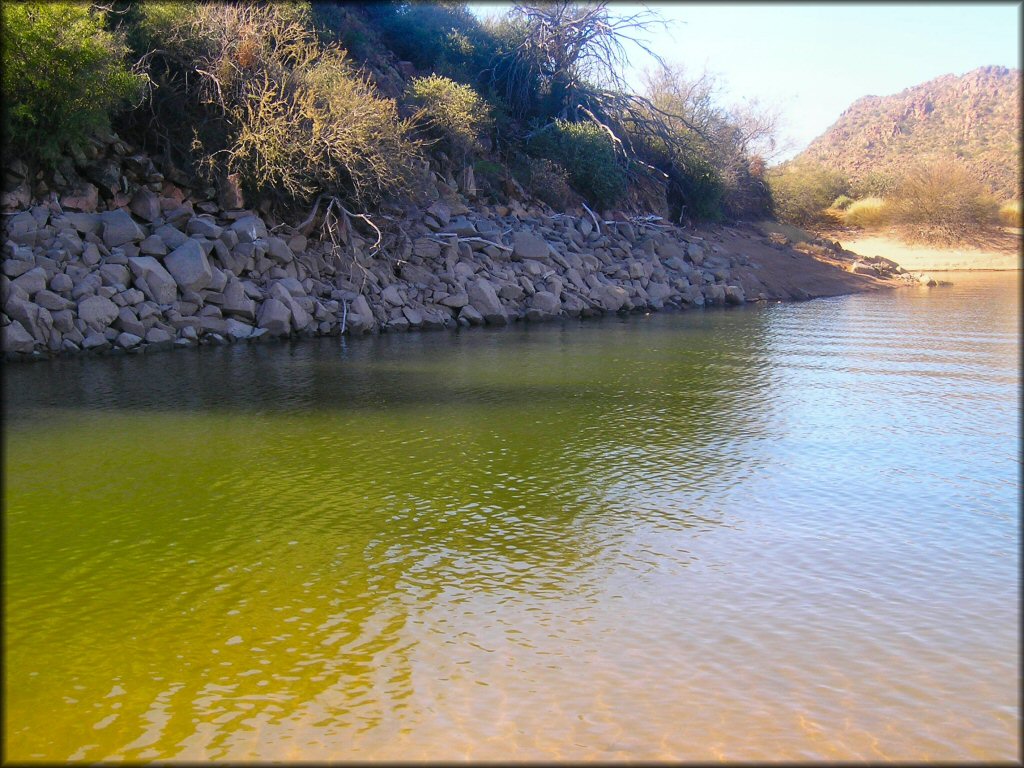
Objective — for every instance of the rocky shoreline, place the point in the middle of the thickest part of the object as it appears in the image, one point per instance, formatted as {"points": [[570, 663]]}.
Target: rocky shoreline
{"points": [[128, 260]]}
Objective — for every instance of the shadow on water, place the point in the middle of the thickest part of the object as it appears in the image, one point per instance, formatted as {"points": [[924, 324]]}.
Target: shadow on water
{"points": [[247, 534]]}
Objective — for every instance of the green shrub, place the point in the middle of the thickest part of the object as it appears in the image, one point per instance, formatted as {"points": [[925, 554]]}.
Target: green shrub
{"points": [[63, 77], [867, 213], [587, 154], [842, 202], [802, 192], [452, 111], [1010, 214], [444, 38]]}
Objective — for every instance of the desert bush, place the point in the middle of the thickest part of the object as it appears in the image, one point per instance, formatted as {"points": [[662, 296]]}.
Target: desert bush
{"points": [[801, 192], [587, 154], [874, 184], [867, 213], [945, 196], [842, 202], [452, 111], [1010, 214], [549, 181], [268, 101], [63, 77]]}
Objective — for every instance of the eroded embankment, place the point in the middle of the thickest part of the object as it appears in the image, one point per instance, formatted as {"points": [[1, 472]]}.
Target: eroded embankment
{"points": [[137, 262]]}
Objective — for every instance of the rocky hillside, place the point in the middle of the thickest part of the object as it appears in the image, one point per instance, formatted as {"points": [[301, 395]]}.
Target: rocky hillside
{"points": [[975, 117]]}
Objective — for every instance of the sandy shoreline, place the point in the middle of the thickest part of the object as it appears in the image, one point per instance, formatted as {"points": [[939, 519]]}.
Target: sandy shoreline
{"points": [[921, 257]]}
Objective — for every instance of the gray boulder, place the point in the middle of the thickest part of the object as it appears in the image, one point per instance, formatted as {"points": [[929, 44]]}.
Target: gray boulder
{"points": [[156, 282], [546, 302], [526, 245], [119, 228], [204, 226], [128, 340], [17, 339], [360, 317], [275, 317], [484, 299], [249, 229], [31, 282], [171, 237], [145, 204], [52, 301], [61, 283], [236, 302], [189, 266], [97, 311]]}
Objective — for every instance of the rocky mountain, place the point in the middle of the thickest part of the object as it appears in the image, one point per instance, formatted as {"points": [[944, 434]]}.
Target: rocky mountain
{"points": [[975, 117]]}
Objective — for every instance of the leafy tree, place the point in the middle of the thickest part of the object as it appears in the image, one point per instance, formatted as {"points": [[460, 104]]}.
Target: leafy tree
{"points": [[63, 77]]}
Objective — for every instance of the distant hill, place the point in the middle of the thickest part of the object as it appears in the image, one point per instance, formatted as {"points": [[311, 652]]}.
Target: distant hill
{"points": [[975, 116]]}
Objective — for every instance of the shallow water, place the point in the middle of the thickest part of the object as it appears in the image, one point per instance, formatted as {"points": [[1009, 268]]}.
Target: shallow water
{"points": [[785, 532]]}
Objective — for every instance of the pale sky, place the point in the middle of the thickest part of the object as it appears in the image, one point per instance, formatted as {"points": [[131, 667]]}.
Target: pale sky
{"points": [[814, 60]]}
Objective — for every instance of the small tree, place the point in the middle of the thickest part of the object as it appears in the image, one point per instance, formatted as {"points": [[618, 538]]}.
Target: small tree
{"points": [[801, 192], [63, 77]]}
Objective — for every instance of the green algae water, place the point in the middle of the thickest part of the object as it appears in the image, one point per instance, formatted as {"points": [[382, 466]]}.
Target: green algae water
{"points": [[785, 532]]}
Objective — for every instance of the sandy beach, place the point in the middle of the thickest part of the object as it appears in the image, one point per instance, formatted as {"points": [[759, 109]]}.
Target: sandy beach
{"points": [[1001, 255]]}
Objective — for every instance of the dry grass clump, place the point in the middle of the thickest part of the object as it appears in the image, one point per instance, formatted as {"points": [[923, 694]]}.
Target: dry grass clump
{"points": [[867, 213], [1010, 214]]}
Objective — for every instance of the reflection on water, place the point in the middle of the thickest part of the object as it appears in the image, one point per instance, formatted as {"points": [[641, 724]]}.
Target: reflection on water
{"points": [[786, 532]]}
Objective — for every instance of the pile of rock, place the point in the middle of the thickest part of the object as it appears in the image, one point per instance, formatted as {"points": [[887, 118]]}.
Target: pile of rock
{"points": [[167, 266]]}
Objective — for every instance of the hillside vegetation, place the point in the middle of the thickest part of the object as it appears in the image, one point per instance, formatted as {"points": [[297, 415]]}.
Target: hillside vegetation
{"points": [[974, 118], [366, 102], [939, 162]]}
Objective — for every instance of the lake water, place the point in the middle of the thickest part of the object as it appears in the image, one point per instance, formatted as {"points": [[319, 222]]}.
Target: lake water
{"points": [[783, 532]]}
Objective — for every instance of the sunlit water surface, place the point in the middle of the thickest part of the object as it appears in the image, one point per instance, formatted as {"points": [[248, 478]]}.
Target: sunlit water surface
{"points": [[785, 532]]}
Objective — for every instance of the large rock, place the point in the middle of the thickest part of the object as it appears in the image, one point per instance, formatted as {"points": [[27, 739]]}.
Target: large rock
{"points": [[145, 204], [32, 282], [426, 248], [119, 228], [236, 302], [275, 317], [546, 302], [392, 296], [611, 297], [526, 245], [189, 266], [204, 226], [52, 301], [97, 311], [359, 318], [734, 295], [484, 299], [249, 229], [85, 197], [17, 339], [172, 237], [157, 282]]}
